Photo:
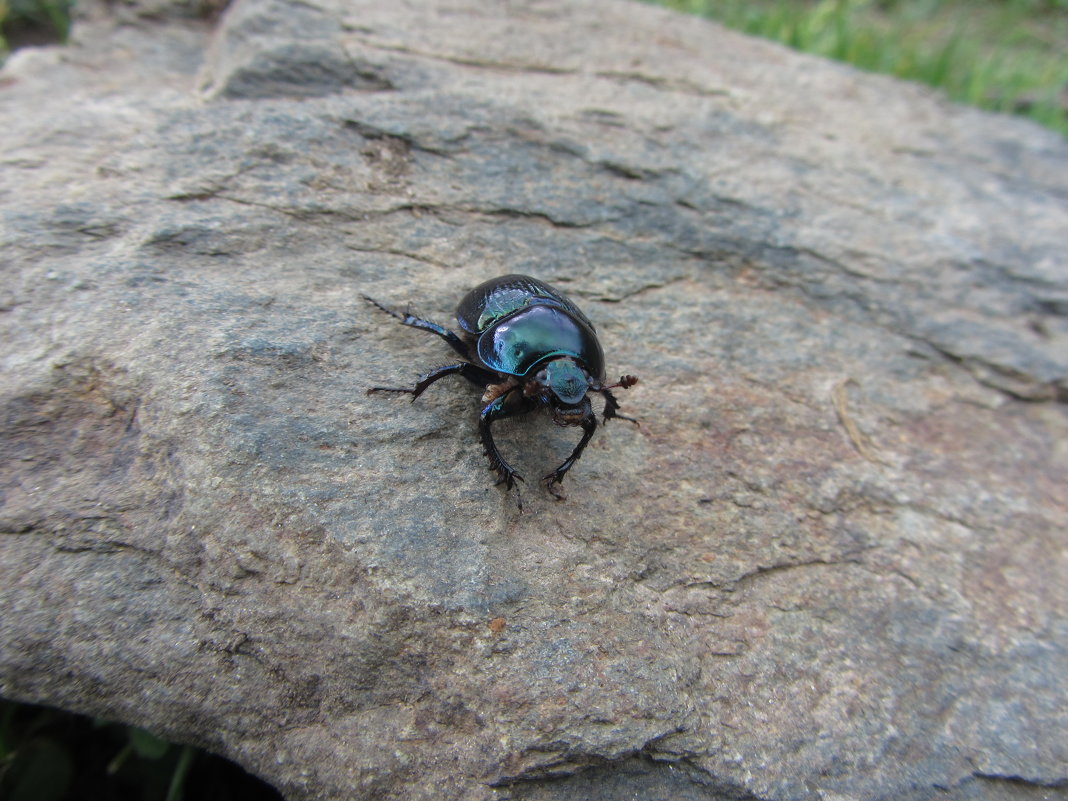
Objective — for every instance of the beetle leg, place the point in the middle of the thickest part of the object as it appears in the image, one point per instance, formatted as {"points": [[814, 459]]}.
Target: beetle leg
{"points": [[611, 408], [589, 425], [411, 320], [473, 373], [509, 404], [494, 391]]}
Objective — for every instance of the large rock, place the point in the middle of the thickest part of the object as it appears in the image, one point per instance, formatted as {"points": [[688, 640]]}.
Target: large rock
{"points": [[831, 562]]}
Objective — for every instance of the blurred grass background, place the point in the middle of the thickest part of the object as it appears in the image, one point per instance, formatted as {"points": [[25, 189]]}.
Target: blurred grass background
{"points": [[32, 22], [1002, 55]]}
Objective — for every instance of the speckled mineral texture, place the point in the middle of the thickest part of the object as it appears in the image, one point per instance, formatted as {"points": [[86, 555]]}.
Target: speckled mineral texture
{"points": [[830, 564]]}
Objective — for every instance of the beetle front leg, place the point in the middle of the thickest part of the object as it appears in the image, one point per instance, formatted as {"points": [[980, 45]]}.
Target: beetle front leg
{"points": [[476, 375], [611, 407], [508, 405], [589, 425]]}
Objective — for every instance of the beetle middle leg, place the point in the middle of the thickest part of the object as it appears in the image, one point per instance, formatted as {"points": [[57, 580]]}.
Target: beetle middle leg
{"points": [[411, 320], [473, 373]]}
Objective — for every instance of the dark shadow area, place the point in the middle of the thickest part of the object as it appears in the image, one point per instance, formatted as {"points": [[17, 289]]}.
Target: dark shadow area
{"points": [[50, 755], [637, 777]]}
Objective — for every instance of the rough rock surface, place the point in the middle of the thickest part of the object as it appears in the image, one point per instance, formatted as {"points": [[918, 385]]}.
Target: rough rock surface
{"points": [[831, 562]]}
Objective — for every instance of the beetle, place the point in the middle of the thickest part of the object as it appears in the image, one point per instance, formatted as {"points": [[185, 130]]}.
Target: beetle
{"points": [[528, 346]]}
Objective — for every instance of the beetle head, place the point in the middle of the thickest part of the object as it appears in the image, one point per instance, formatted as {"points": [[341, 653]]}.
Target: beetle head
{"points": [[563, 385]]}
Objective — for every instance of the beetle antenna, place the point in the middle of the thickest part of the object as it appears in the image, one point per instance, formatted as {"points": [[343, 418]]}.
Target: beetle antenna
{"points": [[625, 382]]}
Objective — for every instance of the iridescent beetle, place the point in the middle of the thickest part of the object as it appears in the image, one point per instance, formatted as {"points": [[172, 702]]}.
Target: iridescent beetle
{"points": [[527, 345]]}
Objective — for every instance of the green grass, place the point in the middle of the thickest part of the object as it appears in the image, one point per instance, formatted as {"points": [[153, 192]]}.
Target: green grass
{"points": [[33, 22], [1005, 55]]}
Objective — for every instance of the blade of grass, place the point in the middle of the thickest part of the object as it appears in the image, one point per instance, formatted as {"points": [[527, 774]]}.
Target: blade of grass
{"points": [[181, 770]]}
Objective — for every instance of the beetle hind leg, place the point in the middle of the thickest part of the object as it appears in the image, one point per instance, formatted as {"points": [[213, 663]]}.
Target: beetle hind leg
{"points": [[412, 321]]}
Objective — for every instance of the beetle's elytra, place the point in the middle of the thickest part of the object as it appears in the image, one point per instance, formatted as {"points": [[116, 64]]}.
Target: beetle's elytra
{"points": [[527, 345]]}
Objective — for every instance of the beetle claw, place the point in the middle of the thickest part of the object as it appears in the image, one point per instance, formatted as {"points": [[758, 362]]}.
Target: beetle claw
{"points": [[551, 481], [508, 478]]}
